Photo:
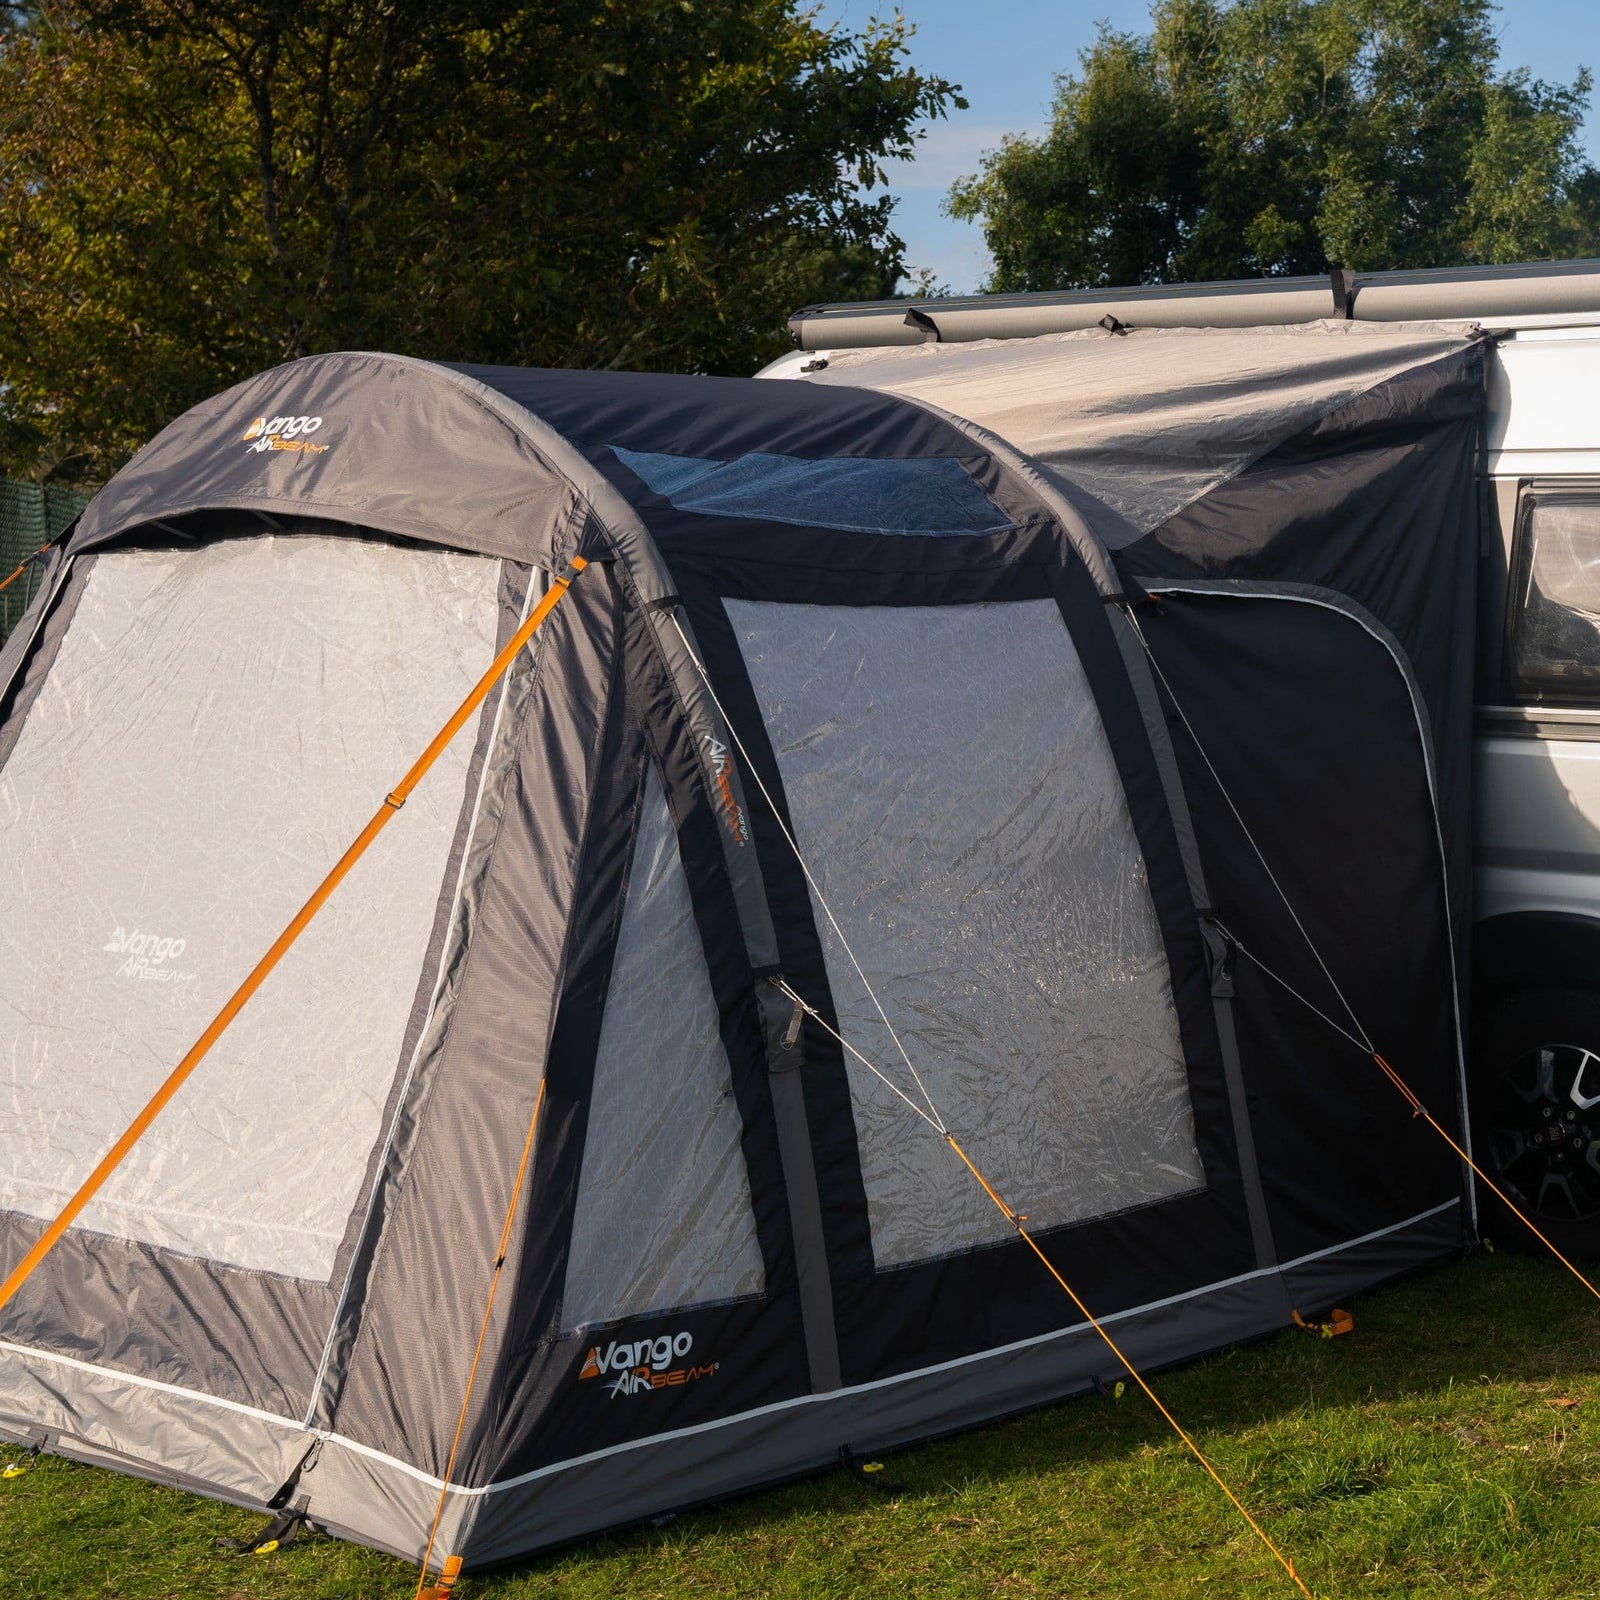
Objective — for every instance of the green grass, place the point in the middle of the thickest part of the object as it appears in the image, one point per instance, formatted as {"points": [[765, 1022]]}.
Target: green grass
{"points": [[1424, 1455]]}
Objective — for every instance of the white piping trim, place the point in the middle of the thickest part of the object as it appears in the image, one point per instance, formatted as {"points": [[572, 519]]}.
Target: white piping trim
{"points": [[1243, 589], [1077, 1330], [28, 1353]]}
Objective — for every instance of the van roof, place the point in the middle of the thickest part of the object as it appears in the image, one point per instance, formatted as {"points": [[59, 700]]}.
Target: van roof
{"points": [[1531, 293]]}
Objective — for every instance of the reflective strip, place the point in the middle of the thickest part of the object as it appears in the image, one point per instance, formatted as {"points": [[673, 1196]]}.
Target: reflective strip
{"points": [[155, 1384], [1077, 1330]]}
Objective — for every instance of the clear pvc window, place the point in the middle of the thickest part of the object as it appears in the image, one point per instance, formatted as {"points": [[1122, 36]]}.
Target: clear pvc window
{"points": [[217, 726], [955, 797], [663, 1217], [931, 495]]}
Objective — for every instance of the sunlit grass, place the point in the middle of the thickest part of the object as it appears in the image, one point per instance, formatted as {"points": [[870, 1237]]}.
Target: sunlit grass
{"points": [[1436, 1451]]}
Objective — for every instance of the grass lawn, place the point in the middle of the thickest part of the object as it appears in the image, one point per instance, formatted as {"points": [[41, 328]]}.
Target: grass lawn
{"points": [[1436, 1451]]}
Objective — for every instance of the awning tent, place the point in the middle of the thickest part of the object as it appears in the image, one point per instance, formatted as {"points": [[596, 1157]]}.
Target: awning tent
{"points": [[851, 704]]}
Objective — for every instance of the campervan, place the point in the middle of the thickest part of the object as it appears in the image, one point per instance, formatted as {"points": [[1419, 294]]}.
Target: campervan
{"points": [[1534, 1077]]}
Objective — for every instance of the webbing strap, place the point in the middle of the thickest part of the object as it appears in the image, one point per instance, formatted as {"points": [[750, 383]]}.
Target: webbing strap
{"points": [[284, 1528], [1339, 1322], [157, 1102]]}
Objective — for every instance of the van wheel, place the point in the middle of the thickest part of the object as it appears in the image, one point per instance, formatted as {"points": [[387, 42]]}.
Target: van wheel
{"points": [[1535, 1096]]}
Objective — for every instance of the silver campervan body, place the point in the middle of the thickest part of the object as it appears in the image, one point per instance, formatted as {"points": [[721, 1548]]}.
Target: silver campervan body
{"points": [[1535, 1011], [1538, 847]]}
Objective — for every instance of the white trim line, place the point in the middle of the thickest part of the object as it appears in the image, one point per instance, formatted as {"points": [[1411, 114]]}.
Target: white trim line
{"points": [[28, 1353], [1077, 1329]]}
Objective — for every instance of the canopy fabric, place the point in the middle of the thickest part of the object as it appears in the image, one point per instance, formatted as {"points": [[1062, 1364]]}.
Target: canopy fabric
{"points": [[849, 703], [1146, 420]]}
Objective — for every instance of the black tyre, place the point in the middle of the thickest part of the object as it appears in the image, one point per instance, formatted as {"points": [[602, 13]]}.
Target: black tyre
{"points": [[1535, 1093]]}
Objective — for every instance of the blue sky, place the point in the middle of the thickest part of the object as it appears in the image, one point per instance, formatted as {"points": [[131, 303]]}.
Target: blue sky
{"points": [[1006, 54]]}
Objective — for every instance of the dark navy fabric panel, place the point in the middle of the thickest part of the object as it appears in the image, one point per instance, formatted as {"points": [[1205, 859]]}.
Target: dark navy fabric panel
{"points": [[946, 1309], [1378, 501], [1309, 724], [721, 418]]}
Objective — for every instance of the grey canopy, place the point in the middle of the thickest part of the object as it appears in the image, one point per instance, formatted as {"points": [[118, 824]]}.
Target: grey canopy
{"points": [[844, 800]]}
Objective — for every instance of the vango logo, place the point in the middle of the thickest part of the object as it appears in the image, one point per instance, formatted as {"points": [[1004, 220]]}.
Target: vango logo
{"points": [[147, 955], [283, 433], [139, 943], [645, 1365]]}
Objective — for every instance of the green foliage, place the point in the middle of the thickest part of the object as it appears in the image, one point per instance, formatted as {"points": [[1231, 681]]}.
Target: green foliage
{"points": [[1275, 136], [1448, 1447], [31, 514], [192, 190]]}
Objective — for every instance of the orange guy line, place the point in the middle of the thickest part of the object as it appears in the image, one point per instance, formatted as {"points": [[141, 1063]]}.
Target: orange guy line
{"points": [[477, 1354], [136, 1129], [1016, 1222], [5, 583], [1420, 1110]]}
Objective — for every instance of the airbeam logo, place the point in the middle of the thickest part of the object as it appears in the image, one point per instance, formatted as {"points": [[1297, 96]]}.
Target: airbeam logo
{"points": [[148, 955], [646, 1365], [284, 433], [722, 771]]}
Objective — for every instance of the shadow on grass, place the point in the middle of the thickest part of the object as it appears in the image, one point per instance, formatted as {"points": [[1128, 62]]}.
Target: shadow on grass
{"points": [[1414, 1441], [1487, 1321]]}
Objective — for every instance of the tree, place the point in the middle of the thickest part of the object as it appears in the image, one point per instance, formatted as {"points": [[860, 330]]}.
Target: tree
{"points": [[191, 190], [1276, 136]]}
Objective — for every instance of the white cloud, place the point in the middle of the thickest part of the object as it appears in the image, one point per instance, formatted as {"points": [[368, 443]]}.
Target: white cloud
{"points": [[951, 150]]}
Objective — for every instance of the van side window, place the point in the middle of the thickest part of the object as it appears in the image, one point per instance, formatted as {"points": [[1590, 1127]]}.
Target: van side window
{"points": [[1556, 629]]}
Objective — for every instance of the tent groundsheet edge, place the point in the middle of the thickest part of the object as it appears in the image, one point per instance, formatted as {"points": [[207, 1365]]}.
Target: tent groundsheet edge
{"points": [[244, 1456]]}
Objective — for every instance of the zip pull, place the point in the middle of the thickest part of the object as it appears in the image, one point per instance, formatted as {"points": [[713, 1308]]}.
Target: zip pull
{"points": [[797, 1018], [791, 1034]]}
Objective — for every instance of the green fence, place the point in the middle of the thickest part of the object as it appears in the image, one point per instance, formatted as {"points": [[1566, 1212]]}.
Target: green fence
{"points": [[30, 515]]}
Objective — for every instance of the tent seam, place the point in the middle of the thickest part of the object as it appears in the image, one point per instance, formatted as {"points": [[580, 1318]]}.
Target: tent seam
{"points": [[379, 1252]]}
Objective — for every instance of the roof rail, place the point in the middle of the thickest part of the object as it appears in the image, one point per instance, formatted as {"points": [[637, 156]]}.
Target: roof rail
{"points": [[1534, 288]]}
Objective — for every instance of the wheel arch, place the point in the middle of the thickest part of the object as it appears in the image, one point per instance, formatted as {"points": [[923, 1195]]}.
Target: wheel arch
{"points": [[1533, 949]]}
